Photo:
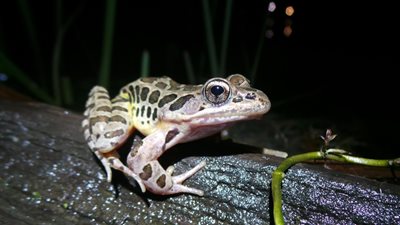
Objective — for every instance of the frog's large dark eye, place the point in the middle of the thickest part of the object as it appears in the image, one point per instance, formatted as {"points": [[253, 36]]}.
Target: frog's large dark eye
{"points": [[216, 91]]}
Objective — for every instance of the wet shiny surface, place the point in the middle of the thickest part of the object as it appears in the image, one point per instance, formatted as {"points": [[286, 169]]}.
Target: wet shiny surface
{"points": [[49, 176]]}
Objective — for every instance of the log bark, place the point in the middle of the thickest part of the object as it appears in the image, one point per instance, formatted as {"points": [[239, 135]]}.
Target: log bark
{"points": [[49, 176]]}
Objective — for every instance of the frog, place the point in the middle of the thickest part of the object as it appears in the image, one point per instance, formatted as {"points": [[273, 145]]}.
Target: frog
{"points": [[166, 113]]}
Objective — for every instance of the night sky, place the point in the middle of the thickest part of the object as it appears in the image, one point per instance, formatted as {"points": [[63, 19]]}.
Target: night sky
{"points": [[340, 61]]}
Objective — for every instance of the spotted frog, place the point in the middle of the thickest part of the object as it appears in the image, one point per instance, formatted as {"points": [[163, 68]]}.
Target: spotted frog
{"points": [[166, 113]]}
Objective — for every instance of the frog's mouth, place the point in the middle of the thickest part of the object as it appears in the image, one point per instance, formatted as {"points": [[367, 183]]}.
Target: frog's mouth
{"points": [[225, 119]]}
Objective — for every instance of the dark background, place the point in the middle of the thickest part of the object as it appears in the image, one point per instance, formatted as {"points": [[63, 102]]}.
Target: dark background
{"points": [[340, 62]]}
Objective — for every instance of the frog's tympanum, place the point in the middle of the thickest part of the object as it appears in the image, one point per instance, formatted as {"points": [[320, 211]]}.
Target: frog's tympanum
{"points": [[166, 113]]}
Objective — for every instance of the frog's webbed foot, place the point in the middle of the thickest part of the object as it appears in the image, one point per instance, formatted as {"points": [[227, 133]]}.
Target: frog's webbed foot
{"points": [[114, 162], [177, 181]]}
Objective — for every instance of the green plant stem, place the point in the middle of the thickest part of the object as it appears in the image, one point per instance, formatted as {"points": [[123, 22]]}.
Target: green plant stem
{"points": [[145, 67], [68, 97], [212, 53], [57, 50], [189, 68], [332, 154], [104, 75], [257, 57], [225, 36], [29, 23]]}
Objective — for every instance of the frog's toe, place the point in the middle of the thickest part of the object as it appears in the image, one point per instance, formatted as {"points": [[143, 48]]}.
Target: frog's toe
{"points": [[179, 188], [170, 170], [182, 177]]}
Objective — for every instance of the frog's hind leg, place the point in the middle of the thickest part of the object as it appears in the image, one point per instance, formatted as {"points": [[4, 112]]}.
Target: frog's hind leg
{"points": [[106, 127], [111, 159]]}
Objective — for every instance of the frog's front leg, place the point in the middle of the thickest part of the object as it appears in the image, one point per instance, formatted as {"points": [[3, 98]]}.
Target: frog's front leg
{"points": [[143, 161], [106, 127]]}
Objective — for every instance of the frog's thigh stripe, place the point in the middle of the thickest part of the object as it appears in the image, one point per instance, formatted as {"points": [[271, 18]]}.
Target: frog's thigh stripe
{"points": [[137, 142], [170, 135], [147, 172], [161, 181]]}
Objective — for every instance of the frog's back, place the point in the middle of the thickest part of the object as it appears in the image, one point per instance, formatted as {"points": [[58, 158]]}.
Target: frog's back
{"points": [[149, 96]]}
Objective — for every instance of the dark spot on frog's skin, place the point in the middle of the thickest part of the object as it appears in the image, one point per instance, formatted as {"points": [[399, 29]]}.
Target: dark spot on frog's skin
{"points": [[99, 91], [142, 122], [201, 108], [144, 93], [148, 79], [119, 99], [118, 118], [137, 142], [161, 181], [166, 99], [131, 93], [131, 89], [137, 90], [104, 108], [119, 108], [161, 85], [114, 133], [137, 112], [91, 105], [142, 111], [154, 117], [103, 97], [94, 120], [148, 113], [173, 85], [154, 97], [111, 161], [191, 88], [170, 135], [237, 99], [147, 172], [251, 96], [180, 102]]}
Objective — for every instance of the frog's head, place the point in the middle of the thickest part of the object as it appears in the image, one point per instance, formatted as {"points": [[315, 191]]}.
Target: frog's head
{"points": [[220, 101]]}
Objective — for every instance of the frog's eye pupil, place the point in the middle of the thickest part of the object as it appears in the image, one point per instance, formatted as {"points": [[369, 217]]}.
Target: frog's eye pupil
{"points": [[217, 90]]}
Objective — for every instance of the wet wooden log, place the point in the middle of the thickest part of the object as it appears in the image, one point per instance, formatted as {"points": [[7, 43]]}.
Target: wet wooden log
{"points": [[49, 176]]}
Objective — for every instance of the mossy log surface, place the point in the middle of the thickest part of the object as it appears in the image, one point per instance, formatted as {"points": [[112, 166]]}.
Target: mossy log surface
{"points": [[49, 176]]}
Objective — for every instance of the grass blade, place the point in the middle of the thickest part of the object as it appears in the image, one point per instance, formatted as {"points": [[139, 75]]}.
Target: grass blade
{"points": [[29, 23], [225, 35], [212, 54], [145, 65], [9, 68], [104, 74], [189, 68], [256, 60]]}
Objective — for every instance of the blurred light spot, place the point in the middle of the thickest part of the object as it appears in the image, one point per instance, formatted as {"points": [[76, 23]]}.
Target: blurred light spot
{"points": [[271, 6], [3, 77], [289, 10], [287, 31], [269, 33]]}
